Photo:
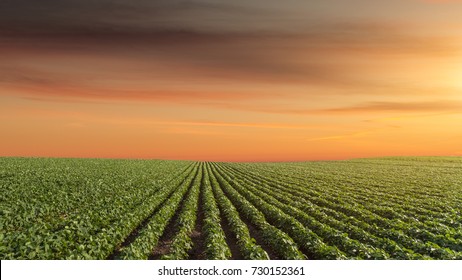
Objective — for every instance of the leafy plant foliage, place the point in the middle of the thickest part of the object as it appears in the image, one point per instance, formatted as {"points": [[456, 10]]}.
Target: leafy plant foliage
{"points": [[386, 208]]}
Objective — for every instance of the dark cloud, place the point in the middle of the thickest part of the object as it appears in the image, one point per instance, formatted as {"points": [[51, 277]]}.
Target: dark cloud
{"points": [[189, 42], [41, 85], [74, 17], [246, 57], [309, 58]]}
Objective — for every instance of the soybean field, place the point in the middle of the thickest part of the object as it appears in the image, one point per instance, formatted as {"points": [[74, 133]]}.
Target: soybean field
{"points": [[383, 208]]}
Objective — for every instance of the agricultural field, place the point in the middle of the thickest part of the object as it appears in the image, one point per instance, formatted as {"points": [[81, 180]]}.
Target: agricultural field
{"points": [[384, 208]]}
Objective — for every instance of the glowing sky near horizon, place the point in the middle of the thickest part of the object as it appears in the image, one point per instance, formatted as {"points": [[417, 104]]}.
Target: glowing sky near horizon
{"points": [[230, 80]]}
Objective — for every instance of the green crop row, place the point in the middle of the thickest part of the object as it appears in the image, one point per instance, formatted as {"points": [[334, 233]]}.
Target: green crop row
{"points": [[352, 247], [374, 223], [391, 208], [182, 242], [72, 208], [306, 239], [314, 217], [247, 245], [444, 244], [145, 241], [217, 248], [280, 241]]}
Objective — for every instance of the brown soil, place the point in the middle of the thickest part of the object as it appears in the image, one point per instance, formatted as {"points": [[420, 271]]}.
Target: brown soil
{"points": [[231, 241], [198, 250], [255, 233]]}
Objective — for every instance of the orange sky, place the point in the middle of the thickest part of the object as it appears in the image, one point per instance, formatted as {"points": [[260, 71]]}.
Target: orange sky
{"points": [[252, 81]]}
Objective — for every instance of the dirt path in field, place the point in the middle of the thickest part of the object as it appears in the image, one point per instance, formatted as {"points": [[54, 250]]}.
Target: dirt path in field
{"points": [[165, 241], [163, 246], [255, 234], [134, 234], [307, 253], [231, 240], [198, 250]]}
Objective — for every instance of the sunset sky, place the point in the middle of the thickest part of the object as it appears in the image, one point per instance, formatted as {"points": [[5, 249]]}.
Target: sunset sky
{"points": [[258, 80]]}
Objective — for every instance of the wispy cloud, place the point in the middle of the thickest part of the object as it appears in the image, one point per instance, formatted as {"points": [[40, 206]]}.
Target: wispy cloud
{"points": [[436, 107], [98, 17], [427, 106], [152, 64], [173, 51]]}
